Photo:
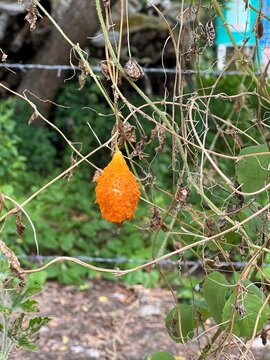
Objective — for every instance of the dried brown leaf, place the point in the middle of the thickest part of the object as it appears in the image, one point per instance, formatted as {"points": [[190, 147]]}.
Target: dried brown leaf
{"points": [[96, 175], [13, 262], [222, 223], [133, 70], [139, 149], [70, 174], [237, 139], [156, 220], [259, 28], [106, 3], [84, 73], [104, 69], [159, 132], [210, 33], [20, 227], [4, 56], [33, 117], [32, 15], [126, 132], [182, 194], [211, 226], [153, 133], [213, 263], [175, 141]]}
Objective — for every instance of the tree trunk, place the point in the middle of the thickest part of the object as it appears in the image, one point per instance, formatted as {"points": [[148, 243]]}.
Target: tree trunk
{"points": [[78, 22]]}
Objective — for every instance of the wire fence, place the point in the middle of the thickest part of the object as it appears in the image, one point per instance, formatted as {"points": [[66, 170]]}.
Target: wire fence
{"points": [[120, 260], [41, 259], [148, 70]]}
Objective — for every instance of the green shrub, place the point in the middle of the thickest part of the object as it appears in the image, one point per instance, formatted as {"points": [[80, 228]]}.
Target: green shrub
{"points": [[13, 163], [38, 144]]}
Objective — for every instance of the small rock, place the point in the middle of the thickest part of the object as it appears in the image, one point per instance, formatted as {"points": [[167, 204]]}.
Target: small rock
{"points": [[119, 296], [257, 344], [91, 352], [147, 310], [103, 299], [94, 353]]}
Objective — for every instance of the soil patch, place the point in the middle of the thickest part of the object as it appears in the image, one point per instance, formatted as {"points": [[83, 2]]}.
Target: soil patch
{"points": [[110, 321]]}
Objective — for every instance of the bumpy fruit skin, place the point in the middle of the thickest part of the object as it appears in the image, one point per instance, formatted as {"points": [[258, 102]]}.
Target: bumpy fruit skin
{"points": [[117, 191]]}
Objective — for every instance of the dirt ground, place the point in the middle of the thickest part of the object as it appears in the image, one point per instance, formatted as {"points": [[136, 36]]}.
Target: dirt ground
{"points": [[108, 321]]}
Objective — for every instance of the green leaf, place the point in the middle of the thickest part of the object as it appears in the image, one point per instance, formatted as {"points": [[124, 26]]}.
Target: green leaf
{"points": [[188, 323], [254, 226], [214, 291], [253, 172], [36, 323], [4, 309], [37, 278], [250, 305], [202, 309], [162, 355], [30, 306], [19, 300], [25, 343], [7, 189], [26, 337], [32, 290], [71, 273], [67, 242], [249, 286]]}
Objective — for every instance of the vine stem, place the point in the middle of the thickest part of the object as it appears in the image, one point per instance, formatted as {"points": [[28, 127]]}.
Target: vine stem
{"points": [[119, 272], [161, 113], [247, 2], [23, 97], [6, 346], [218, 170], [139, 91], [62, 174], [120, 68], [28, 218], [207, 348]]}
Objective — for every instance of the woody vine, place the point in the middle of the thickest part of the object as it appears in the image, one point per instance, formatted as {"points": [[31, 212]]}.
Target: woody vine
{"points": [[229, 174]]}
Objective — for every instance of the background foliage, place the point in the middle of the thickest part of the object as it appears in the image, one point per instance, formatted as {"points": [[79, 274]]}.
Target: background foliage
{"points": [[187, 194]]}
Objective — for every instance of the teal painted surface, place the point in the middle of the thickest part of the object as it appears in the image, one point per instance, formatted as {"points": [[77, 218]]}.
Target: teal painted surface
{"points": [[241, 22], [265, 40]]}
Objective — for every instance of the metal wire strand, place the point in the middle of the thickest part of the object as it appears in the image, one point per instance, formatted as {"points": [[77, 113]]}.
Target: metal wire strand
{"points": [[97, 69], [124, 260]]}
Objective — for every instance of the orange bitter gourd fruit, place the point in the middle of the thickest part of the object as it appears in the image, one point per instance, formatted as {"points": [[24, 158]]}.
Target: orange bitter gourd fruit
{"points": [[117, 191]]}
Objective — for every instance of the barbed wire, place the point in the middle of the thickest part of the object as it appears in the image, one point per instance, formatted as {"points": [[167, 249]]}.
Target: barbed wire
{"points": [[124, 260], [148, 70]]}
